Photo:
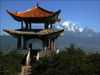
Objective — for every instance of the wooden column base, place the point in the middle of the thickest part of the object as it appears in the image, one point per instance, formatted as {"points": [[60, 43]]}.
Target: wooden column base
{"points": [[47, 43], [30, 46], [24, 42]]}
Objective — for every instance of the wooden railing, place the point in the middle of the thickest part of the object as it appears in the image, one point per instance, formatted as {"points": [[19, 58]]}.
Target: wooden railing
{"points": [[28, 57]]}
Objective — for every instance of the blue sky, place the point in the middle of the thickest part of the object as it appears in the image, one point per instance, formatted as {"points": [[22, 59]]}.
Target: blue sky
{"points": [[83, 13]]}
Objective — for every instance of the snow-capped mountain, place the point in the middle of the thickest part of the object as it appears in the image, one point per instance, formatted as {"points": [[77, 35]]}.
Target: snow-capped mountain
{"points": [[73, 30], [69, 26], [87, 38]]}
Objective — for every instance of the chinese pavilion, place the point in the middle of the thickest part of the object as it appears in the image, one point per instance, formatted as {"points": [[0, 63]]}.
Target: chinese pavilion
{"points": [[35, 15]]}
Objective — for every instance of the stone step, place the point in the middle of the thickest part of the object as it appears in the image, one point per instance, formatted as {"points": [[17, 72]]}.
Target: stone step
{"points": [[26, 70], [29, 61]]}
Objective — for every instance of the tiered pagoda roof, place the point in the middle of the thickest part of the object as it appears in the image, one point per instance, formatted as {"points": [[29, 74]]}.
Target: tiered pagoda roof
{"points": [[36, 15]]}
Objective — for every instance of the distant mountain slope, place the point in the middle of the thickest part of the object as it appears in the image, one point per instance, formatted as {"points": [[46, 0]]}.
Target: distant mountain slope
{"points": [[8, 43]]}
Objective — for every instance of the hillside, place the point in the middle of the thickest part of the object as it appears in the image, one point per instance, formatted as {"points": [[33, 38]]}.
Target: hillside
{"points": [[9, 43], [88, 44]]}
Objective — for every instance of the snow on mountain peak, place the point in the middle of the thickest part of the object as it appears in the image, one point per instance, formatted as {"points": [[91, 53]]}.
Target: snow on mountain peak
{"points": [[70, 26], [68, 23], [80, 29]]}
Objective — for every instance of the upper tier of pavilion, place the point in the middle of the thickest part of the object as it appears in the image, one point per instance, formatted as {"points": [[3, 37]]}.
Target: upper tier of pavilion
{"points": [[36, 14]]}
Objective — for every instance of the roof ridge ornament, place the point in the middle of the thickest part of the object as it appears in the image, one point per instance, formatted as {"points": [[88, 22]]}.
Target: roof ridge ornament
{"points": [[7, 10], [37, 4]]}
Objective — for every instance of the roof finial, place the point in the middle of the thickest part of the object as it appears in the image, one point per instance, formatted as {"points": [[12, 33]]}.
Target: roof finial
{"points": [[37, 3]]}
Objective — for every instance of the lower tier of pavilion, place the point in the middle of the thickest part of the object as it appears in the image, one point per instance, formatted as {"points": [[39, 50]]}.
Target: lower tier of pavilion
{"points": [[47, 36]]}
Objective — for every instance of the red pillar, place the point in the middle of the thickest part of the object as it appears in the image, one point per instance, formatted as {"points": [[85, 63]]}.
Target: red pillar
{"points": [[52, 44], [19, 42], [24, 42]]}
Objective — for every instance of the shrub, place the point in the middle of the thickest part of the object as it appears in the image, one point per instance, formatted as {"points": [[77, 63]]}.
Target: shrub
{"points": [[1, 54], [74, 61], [10, 63], [15, 55]]}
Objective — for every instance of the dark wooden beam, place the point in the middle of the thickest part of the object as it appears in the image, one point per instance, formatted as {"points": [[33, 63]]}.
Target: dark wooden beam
{"points": [[30, 25], [24, 42], [45, 25], [26, 25], [47, 42], [30, 46], [21, 24], [44, 44], [19, 42], [51, 26]]}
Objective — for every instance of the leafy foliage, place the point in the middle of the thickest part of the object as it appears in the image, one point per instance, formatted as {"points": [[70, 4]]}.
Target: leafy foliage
{"points": [[10, 64], [15, 55], [74, 61]]}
